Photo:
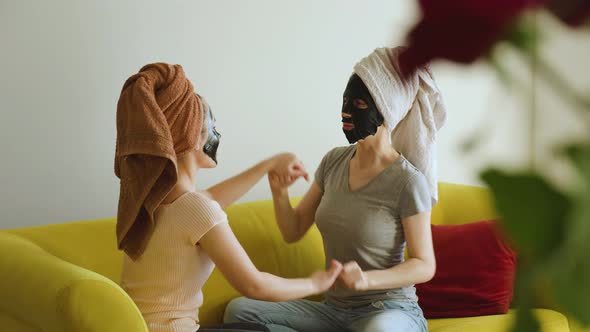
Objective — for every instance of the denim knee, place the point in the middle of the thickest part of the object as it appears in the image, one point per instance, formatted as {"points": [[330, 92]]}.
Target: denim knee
{"points": [[235, 310]]}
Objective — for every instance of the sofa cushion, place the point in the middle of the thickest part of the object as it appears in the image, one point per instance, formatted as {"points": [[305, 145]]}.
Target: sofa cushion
{"points": [[474, 275], [549, 320]]}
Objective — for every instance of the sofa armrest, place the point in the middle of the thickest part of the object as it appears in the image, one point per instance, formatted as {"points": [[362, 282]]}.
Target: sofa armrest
{"points": [[51, 294]]}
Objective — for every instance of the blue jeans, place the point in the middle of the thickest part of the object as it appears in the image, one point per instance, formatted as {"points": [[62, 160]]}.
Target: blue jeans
{"points": [[309, 316], [236, 327]]}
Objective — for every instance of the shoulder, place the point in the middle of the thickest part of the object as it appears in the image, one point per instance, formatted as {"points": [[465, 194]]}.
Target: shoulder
{"points": [[198, 198], [337, 154], [195, 214], [414, 179], [200, 204], [340, 150]]}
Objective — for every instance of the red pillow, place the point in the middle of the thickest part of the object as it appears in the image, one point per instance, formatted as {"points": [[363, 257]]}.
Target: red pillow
{"points": [[474, 272]]}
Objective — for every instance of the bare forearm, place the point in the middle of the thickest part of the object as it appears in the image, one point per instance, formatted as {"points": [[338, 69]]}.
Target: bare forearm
{"points": [[413, 271], [272, 288], [230, 190], [285, 215]]}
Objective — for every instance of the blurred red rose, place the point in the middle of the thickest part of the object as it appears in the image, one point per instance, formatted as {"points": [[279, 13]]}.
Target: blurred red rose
{"points": [[460, 30]]}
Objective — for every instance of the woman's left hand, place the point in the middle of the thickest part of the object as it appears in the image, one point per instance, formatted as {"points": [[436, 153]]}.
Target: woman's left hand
{"points": [[352, 277]]}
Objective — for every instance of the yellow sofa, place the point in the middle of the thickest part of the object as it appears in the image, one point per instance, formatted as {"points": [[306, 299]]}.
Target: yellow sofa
{"points": [[64, 277]]}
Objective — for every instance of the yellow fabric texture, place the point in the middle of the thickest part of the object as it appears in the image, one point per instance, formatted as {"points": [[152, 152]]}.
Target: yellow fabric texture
{"points": [[65, 277]]}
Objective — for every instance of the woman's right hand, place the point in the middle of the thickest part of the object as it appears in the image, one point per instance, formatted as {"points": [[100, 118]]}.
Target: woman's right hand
{"points": [[324, 280]]}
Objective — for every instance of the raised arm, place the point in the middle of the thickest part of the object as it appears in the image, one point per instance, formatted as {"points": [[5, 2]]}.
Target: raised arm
{"points": [[230, 190], [294, 222]]}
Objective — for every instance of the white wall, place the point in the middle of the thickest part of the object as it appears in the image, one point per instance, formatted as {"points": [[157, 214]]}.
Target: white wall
{"points": [[273, 72]]}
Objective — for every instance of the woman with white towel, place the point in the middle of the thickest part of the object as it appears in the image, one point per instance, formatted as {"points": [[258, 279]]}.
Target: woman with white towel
{"points": [[369, 200]]}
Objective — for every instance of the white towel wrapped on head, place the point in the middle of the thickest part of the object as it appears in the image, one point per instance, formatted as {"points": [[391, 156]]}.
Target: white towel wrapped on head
{"points": [[412, 107]]}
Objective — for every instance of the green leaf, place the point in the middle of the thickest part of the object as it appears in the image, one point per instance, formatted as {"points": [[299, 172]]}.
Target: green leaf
{"points": [[525, 321], [524, 34], [571, 286], [533, 212], [579, 227], [578, 231], [580, 157], [524, 279]]}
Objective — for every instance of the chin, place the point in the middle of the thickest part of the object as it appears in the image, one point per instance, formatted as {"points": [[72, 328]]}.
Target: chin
{"points": [[204, 161], [210, 164]]}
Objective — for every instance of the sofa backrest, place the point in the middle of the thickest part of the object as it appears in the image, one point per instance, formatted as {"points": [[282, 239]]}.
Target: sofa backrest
{"points": [[460, 204], [92, 244]]}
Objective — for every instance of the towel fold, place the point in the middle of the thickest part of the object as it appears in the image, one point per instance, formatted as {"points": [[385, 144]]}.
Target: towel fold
{"points": [[159, 118], [411, 105]]}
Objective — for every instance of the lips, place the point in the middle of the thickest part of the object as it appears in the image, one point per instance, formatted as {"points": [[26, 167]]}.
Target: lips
{"points": [[347, 126]]}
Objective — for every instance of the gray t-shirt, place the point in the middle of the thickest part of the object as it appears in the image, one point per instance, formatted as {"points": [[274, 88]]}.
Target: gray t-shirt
{"points": [[365, 225]]}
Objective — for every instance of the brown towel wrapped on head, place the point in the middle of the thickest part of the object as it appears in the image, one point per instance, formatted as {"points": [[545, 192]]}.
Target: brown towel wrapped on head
{"points": [[159, 118]]}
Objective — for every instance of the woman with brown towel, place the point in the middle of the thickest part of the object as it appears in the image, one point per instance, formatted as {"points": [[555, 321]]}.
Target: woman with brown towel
{"points": [[173, 235]]}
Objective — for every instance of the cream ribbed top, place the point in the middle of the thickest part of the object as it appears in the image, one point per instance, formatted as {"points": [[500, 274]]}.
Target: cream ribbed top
{"points": [[166, 281]]}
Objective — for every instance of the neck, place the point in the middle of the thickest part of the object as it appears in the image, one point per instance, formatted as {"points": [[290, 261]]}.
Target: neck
{"points": [[186, 181], [376, 151]]}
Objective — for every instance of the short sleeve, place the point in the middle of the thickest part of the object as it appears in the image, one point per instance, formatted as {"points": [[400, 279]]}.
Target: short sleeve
{"points": [[197, 215], [321, 171], [415, 196]]}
